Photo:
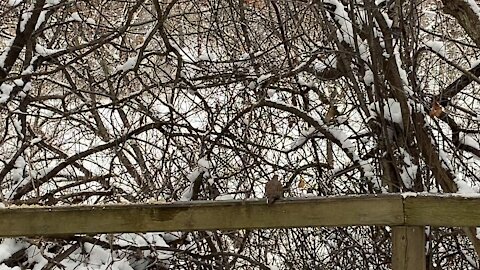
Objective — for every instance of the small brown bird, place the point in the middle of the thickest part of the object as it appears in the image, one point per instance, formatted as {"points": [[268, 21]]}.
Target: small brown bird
{"points": [[273, 190]]}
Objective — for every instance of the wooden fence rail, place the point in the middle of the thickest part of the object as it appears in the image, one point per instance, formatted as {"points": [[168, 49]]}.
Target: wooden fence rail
{"points": [[406, 213]]}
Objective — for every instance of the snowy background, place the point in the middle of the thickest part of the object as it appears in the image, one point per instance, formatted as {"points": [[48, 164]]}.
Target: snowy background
{"points": [[145, 101]]}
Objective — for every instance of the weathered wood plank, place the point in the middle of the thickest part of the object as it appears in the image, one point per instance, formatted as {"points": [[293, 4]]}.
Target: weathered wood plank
{"points": [[408, 248], [443, 210], [202, 215]]}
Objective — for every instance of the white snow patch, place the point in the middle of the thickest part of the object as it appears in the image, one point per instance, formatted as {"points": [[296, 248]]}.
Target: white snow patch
{"points": [[300, 66], [90, 21], [367, 168], [4, 54], [304, 82], [401, 71], [409, 194], [36, 256], [271, 93], [246, 56], [25, 17], [13, 3], [225, 197], [263, 78], [303, 137], [368, 78], [444, 156], [345, 32], [203, 166], [41, 18], [45, 51], [18, 82], [186, 53], [75, 17], [27, 87], [391, 110], [36, 140], [409, 171], [29, 69], [5, 90], [464, 188], [330, 62], [387, 19], [128, 65], [17, 171], [142, 240], [5, 267], [193, 175], [467, 140], [104, 259], [475, 63], [187, 194], [8, 247], [203, 163], [208, 56], [437, 46], [341, 136], [473, 5]]}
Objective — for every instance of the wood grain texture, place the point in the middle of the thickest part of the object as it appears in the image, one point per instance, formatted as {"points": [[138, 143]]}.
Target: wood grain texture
{"points": [[392, 210], [448, 211], [203, 215], [408, 248]]}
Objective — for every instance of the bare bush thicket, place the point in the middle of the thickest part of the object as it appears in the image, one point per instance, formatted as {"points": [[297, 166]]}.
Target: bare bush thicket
{"points": [[135, 101]]}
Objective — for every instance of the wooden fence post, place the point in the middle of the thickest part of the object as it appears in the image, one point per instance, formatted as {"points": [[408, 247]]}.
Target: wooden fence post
{"points": [[408, 248]]}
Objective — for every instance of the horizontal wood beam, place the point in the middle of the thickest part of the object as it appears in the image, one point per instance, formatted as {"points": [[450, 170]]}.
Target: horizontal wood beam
{"points": [[202, 215], [442, 210], [390, 209]]}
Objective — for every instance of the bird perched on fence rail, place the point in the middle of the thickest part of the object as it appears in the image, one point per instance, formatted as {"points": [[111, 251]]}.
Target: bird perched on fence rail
{"points": [[273, 190]]}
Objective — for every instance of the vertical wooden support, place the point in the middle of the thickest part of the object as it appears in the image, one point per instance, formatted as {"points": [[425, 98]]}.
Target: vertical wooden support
{"points": [[408, 248]]}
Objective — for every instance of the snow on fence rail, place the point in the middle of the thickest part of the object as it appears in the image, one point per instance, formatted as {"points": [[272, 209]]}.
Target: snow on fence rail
{"points": [[406, 213]]}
